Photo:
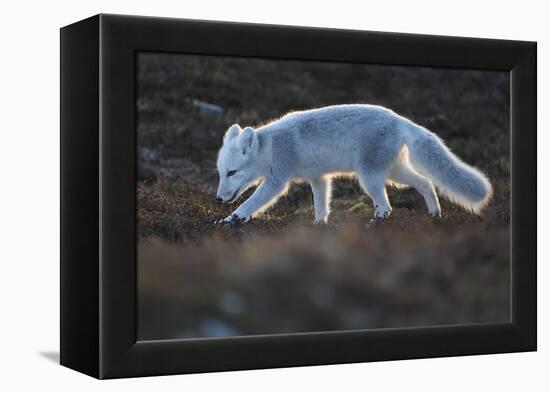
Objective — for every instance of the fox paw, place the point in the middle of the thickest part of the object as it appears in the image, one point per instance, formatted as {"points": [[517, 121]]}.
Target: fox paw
{"points": [[381, 213], [231, 221], [376, 221], [319, 222]]}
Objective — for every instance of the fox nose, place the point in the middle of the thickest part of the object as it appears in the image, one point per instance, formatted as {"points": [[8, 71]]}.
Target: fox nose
{"points": [[219, 199]]}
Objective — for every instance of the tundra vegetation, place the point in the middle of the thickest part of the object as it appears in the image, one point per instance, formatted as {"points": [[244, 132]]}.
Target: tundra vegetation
{"points": [[279, 273]]}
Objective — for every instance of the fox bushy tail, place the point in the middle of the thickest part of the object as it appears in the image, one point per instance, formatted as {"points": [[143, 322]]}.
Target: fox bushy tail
{"points": [[458, 181]]}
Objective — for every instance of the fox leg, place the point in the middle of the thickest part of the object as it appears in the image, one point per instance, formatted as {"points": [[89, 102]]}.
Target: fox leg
{"points": [[403, 173], [374, 184], [265, 195], [321, 199]]}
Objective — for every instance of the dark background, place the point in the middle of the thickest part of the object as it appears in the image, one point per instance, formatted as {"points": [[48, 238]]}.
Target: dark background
{"points": [[278, 273]]}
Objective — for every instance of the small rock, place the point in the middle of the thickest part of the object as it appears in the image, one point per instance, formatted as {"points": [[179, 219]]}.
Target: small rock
{"points": [[205, 107], [148, 155], [232, 303], [215, 328]]}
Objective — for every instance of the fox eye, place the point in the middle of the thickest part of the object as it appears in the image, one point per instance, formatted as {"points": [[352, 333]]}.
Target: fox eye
{"points": [[231, 173]]}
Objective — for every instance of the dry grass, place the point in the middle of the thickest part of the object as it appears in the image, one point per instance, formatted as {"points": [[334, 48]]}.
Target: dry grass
{"points": [[315, 279]]}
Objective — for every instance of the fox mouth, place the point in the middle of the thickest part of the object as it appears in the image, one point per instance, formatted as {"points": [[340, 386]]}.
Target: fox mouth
{"points": [[232, 199]]}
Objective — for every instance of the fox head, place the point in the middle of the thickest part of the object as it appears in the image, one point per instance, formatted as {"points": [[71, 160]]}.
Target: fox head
{"points": [[239, 163]]}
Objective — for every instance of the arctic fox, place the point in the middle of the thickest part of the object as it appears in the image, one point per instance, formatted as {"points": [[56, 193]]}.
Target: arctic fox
{"points": [[371, 142]]}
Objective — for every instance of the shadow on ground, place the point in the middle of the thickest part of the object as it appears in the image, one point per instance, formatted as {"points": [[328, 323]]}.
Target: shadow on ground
{"points": [[52, 356]]}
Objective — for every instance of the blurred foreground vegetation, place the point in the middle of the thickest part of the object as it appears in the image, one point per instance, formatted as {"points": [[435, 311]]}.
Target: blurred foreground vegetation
{"points": [[279, 273]]}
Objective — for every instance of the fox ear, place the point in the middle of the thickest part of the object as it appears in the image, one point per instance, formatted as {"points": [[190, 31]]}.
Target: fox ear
{"points": [[248, 140], [232, 132]]}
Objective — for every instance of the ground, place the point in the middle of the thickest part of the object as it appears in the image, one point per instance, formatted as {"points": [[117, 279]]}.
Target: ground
{"points": [[279, 273]]}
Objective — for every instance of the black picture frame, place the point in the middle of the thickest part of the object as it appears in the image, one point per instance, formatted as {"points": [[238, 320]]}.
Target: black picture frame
{"points": [[98, 196]]}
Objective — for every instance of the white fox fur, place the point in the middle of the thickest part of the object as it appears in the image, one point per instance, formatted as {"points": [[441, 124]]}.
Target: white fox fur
{"points": [[371, 142]]}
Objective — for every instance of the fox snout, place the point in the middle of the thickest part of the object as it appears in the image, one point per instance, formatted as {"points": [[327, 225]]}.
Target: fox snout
{"points": [[223, 200], [226, 197], [219, 198]]}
